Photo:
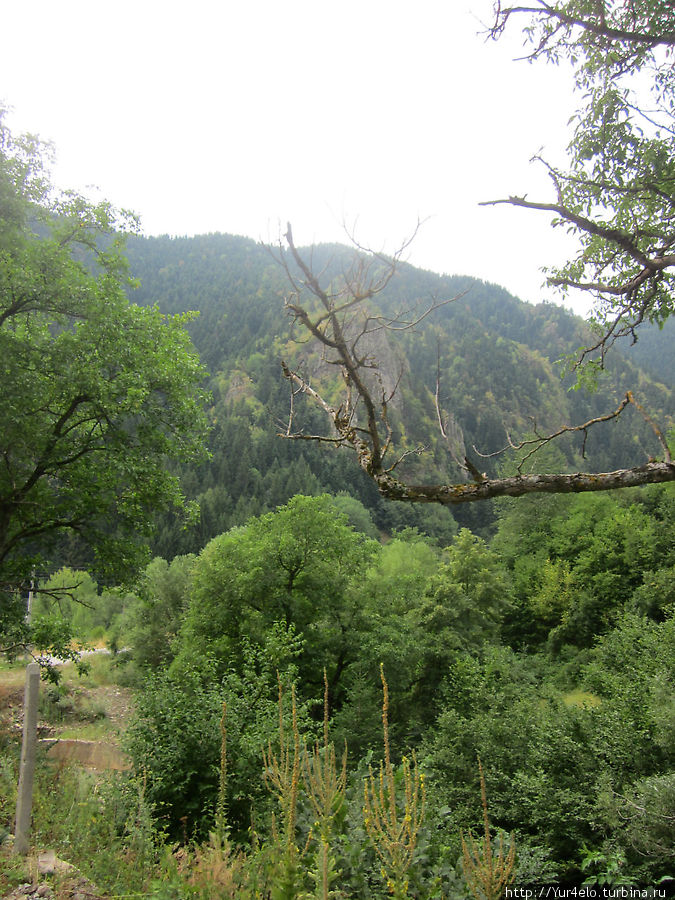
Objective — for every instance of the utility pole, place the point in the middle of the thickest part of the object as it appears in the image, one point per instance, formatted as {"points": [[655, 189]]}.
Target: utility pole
{"points": [[24, 794], [24, 798]]}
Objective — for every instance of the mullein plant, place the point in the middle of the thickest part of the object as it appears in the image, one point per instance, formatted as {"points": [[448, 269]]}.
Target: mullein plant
{"points": [[282, 777], [394, 832], [487, 873], [325, 784], [221, 804], [316, 773]]}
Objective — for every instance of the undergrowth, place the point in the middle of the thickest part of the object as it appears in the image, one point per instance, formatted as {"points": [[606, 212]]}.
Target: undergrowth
{"points": [[328, 835]]}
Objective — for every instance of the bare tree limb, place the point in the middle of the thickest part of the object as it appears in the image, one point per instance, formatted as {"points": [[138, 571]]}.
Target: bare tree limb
{"points": [[343, 312], [540, 440]]}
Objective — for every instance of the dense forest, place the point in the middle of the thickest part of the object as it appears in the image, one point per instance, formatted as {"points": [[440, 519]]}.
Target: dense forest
{"points": [[334, 695], [533, 637], [547, 653]]}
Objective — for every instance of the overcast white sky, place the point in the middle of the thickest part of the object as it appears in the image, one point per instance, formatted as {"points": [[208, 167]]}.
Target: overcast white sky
{"points": [[238, 115]]}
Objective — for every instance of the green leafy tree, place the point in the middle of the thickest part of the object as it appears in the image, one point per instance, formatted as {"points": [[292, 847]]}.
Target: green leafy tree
{"points": [[72, 597], [390, 633], [567, 771], [656, 596], [616, 195], [537, 754], [153, 618], [631, 668], [420, 606], [299, 566], [480, 587], [578, 562], [357, 514], [97, 393]]}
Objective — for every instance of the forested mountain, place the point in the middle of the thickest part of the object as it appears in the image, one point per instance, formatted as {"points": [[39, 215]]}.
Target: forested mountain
{"points": [[496, 356], [653, 352]]}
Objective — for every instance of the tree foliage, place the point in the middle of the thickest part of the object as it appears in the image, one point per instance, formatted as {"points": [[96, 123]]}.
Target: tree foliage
{"points": [[539, 651], [616, 195], [295, 567], [97, 393]]}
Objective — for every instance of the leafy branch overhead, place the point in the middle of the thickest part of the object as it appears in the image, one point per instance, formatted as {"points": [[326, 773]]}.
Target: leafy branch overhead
{"points": [[340, 316], [617, 195]]}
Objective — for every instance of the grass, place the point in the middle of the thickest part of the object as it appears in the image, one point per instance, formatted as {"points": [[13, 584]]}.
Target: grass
{"points": [[97, 822], [95, 731], [12, 675], [581, 698], [100, 671], [14, 870]]}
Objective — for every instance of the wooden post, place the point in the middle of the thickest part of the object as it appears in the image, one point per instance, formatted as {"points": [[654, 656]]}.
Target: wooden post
{"points": [[24, 799]]}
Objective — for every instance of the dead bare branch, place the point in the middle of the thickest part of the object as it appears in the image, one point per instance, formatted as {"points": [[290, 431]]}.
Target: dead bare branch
{"points": [[343, 320], [652, 424], [539, 441]]}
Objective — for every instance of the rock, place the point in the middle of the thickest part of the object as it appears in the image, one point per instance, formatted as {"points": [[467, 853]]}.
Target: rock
{"points": [[48, 863]]}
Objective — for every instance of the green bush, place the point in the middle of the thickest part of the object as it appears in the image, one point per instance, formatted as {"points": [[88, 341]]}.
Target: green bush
{"points": [[175, 737]]}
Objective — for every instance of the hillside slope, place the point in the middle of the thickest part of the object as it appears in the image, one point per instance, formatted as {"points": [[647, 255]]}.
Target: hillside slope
{"points": [[497, 361]]}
